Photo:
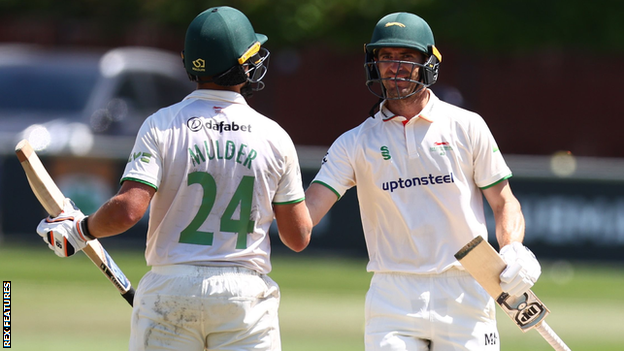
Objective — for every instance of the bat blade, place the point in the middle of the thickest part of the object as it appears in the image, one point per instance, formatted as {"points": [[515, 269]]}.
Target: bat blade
{"points": [[42, 185], [52, 199], [484, 264]]}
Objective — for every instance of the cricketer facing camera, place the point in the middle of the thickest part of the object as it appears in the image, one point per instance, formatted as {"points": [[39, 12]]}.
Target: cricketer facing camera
{"points": [[422, 167], [216, 173]]}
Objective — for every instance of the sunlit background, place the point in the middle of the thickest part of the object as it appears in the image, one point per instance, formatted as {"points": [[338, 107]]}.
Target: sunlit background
{"points": [[77, 78]]}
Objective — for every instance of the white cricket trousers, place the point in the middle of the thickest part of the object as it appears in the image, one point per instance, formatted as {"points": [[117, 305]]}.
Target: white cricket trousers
{"points": [[438, 312], [197, 308]]}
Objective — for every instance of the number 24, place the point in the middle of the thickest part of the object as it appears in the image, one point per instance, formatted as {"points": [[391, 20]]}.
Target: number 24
{"points": [[241, 226]]}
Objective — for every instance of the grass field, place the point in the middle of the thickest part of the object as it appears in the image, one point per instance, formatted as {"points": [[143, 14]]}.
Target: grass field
{"points": [[66, 305]]}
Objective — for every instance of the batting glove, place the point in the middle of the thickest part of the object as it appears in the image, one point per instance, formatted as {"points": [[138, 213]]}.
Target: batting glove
{"points": [[67, 233], [522, 270]]}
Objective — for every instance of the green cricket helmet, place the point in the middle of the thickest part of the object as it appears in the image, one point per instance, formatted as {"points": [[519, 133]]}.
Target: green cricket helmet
{"points": [[402, 30], [221, 43]]}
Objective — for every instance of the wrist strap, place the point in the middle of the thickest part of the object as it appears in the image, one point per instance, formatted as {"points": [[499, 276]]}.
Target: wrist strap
{"points": [[84, 227]]}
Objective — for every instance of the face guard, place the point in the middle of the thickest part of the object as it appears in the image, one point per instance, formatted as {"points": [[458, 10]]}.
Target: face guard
{"points": [[401, 30], [256, 66], [252, 68], [427, 75]]}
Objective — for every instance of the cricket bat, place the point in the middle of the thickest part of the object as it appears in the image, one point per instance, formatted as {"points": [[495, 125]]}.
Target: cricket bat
{"points": [[52, 199], [482, 261]]}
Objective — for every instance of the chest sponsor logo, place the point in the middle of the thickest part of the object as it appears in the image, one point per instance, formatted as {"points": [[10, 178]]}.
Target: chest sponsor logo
{"points": [[429, 180], [196, 124]]}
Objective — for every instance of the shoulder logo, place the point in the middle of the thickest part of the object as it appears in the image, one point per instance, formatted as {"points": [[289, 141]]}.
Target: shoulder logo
{"points": [[385, 153], [390, 24], [141, 156], [324, 160]]}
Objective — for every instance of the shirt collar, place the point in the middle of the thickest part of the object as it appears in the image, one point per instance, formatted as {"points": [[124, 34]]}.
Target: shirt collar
{"points": [[426, 113], [217, 95]]}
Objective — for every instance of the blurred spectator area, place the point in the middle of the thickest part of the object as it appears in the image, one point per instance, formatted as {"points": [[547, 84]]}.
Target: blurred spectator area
{"points": [[536, 101], [535, 104]]}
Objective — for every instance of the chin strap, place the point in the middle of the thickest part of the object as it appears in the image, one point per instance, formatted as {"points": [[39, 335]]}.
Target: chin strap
{"points": [[375, 107]]}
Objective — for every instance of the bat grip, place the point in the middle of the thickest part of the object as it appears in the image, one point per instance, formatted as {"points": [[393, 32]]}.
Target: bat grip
{"points": [[549, 335], [129, 296]]}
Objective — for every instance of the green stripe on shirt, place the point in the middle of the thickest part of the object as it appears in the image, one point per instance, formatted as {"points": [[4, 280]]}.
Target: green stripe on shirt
{"points": [[491, 185]]}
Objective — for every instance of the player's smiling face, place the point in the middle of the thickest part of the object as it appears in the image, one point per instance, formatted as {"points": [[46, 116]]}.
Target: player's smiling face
{"points": [[399, 77]]}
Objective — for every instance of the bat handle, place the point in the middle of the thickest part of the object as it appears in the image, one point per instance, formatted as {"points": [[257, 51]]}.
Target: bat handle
{"points": [[549, 335], [129, 296]]}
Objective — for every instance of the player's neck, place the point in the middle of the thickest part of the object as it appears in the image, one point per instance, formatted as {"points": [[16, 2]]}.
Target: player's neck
{"points": [[213, 86], [409, 107]]}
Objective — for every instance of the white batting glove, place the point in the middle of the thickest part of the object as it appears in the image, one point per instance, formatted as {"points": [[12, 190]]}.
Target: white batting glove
{"points": [[522, 270], [67, 233]]}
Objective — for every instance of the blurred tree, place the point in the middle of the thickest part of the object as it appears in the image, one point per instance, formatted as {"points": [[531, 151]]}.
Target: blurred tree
{"points": [[485, 25]]}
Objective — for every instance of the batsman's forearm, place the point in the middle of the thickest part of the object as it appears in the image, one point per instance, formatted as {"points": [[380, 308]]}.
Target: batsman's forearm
{"points": [[111, 219], [122, 211], [319, 200], [507, 213], [509, 223], [294, 225]]}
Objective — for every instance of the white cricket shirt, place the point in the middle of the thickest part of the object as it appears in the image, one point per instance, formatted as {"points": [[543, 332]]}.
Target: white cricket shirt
{"points": [[417, 184], [218, 166]]}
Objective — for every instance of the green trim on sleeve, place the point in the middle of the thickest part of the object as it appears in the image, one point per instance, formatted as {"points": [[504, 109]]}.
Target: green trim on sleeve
{"points": [[491, 185], [139, 181], [289, 202], [328, 187]]}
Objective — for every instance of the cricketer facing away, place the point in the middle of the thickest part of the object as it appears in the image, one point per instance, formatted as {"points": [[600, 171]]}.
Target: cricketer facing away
{"points": [[216, 173], [421, 167]]}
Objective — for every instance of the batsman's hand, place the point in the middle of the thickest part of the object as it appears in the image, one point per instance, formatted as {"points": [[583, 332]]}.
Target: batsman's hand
{"points": [[67, 233], [522, 270]]}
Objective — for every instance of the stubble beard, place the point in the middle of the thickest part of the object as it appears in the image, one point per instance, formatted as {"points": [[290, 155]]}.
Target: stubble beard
{"points": [[393, 91]]}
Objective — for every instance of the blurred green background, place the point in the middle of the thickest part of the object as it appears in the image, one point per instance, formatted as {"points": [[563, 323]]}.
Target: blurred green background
{"points": [[546, 76], [528, 67], [66, 304], [491, 25]]}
